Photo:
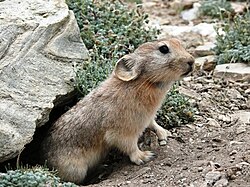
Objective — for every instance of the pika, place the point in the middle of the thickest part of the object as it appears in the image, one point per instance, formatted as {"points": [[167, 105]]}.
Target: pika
{"points": [[115, 114]]}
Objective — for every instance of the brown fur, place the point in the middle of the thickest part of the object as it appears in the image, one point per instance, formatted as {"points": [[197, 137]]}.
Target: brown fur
{"points": [[117, 112]]}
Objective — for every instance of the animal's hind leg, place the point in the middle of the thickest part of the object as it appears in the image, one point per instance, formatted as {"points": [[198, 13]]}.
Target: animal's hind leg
{"points": [[129, 146], [73, 173]]}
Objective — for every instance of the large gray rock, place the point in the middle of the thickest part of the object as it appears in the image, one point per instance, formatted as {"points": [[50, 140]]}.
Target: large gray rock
{"points": [[235, 71], [39, 42]]}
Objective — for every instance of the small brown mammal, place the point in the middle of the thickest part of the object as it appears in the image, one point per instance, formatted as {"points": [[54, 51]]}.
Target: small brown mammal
{"points": [[117, 112]]}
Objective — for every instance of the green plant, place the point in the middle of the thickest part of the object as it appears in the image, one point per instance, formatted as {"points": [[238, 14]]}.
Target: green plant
{"points": [[176, 110], [216, 8], [34, 177], [234, 44], [110, 32], [134, 1]]}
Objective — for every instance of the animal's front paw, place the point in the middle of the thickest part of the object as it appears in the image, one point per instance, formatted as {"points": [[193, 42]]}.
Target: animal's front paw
{"points": [[140, 157], [163, 135]]}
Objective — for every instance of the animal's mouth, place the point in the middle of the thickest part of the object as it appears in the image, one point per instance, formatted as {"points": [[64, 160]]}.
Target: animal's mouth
{"points": [[190, 69]]}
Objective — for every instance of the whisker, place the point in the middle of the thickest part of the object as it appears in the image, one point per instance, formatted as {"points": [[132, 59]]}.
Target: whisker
{"points": [[144, 82], [153, 80]]}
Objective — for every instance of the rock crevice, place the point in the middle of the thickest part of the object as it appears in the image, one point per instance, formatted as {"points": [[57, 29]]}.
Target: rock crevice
{"points": [[39, 42]]}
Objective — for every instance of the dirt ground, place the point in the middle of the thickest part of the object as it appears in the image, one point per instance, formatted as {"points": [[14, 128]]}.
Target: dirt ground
{"points": [[217, 144], [212, 151]]}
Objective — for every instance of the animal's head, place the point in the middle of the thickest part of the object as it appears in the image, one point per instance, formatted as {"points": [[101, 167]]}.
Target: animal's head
{"points": [[158, 61]]}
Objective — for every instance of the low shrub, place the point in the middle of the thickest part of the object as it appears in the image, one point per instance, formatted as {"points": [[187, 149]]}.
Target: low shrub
{"points": [[234, 44], [109, 32], [176, 110], [216, 8], [35, 177]]}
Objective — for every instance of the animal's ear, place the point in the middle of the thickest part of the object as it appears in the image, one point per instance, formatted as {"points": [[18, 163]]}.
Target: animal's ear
{"points": [[126, 68]]}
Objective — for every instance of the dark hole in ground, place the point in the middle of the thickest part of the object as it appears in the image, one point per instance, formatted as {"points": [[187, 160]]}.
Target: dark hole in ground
{"points": [[29, 156]]}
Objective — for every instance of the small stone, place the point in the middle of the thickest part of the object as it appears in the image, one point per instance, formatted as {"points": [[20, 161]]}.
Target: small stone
{"points": [[221, 183], [200, 169], [205, 29], [162, 142], [238, 7], [185, 168], [224, 118], [246, 157], [213, 123], [232, 143], [206, 63], [187, 79], [191, 126], [248, 104], [199, 125], [189, 3], [200, 163], [247, 91], [182, 4], [192, 13], [165, 22], [241, 129], [233, 152], [205, 50], [212, 177], [243, 163], [214, 165], [190, 93], [218, 140], [217, 165], [231, 172], [199, 147], [234, 93], [216, 148]]}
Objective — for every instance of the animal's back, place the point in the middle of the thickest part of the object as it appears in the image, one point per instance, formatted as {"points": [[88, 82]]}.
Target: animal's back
{"points": [[81, 137], [117, 112]]}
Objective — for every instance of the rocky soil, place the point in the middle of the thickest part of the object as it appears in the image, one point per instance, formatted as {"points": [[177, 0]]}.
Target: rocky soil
{"points": [[215, 149], [212, 151]]}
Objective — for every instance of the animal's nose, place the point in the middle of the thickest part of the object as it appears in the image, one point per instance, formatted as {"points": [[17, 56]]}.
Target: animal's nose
{"points": [[190, 63]]}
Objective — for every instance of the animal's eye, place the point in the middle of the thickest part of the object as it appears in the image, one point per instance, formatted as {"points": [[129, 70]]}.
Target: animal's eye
{"points": [[164, 49]]}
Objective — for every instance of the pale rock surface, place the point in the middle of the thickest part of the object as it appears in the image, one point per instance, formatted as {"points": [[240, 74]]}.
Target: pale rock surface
{"points": [[192, 13], [182, 4], [39, 42], [190, 93], [213, 177], [206, 30], [235, 71], [205, 49], [239, 7], [242, 116], [221, 183], [206, 63], [213, 123]]}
